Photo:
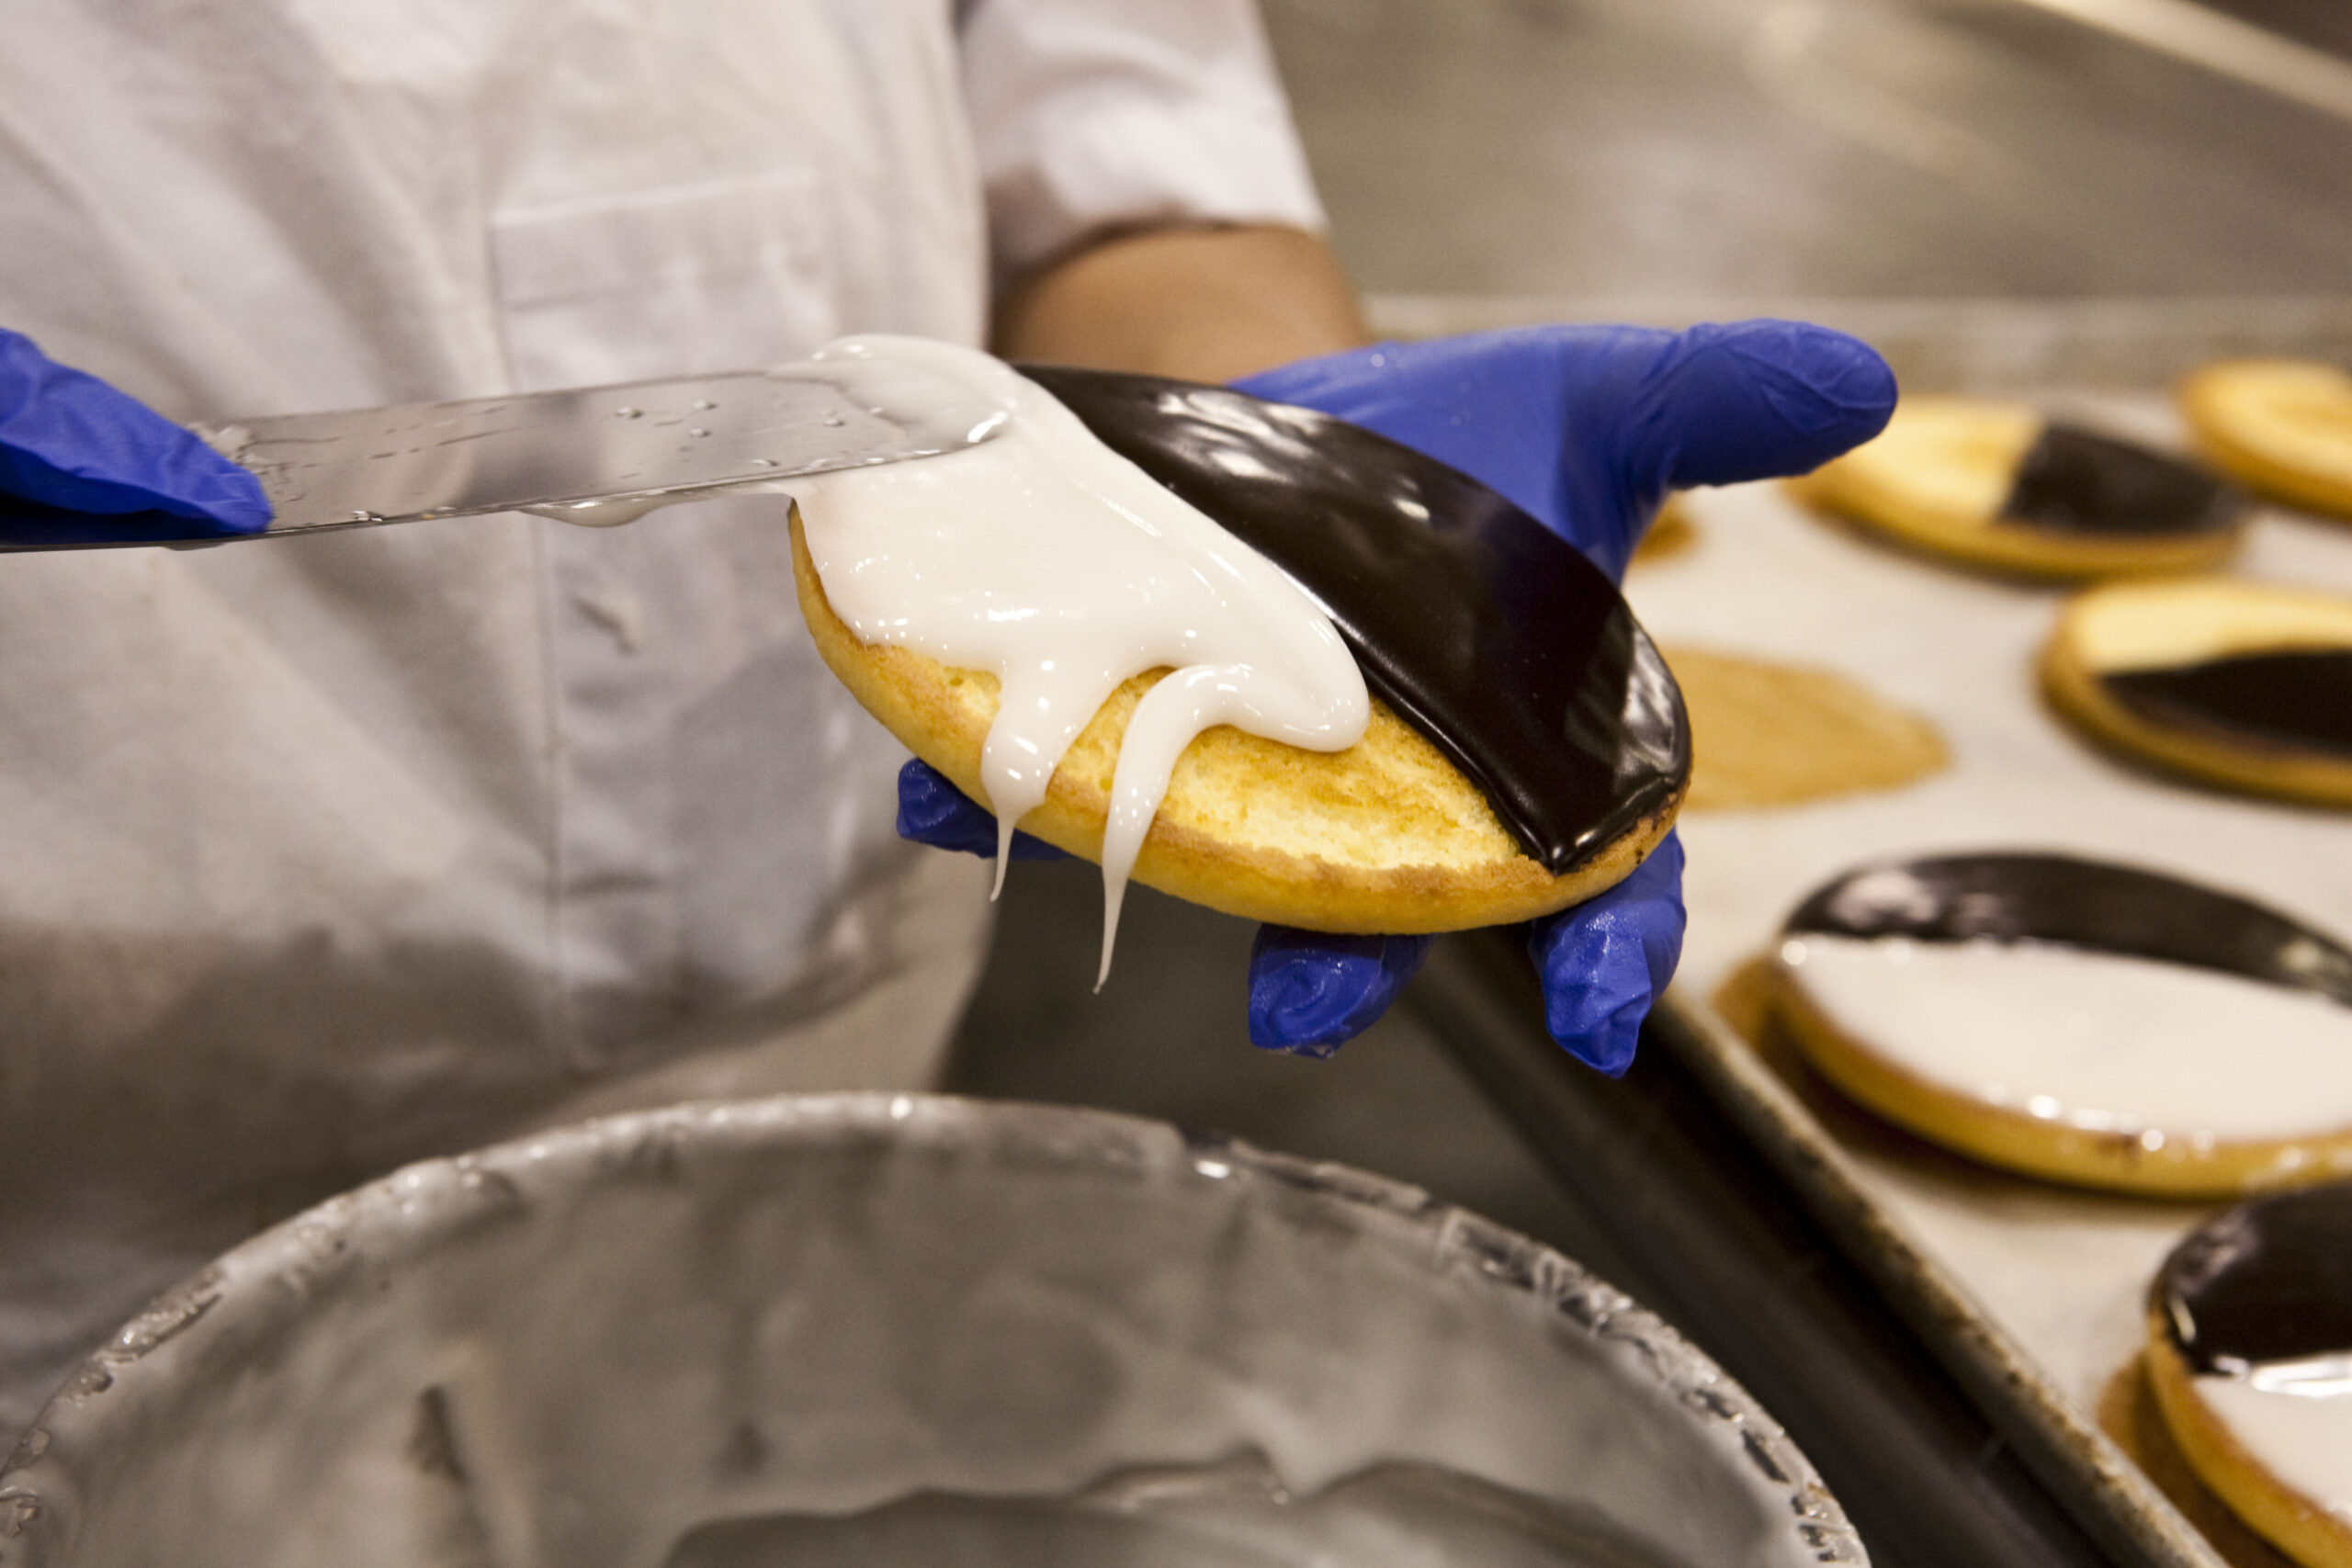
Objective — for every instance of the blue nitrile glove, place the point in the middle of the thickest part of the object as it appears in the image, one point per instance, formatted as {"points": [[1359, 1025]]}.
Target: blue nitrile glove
{"points": [[1586, 428], [934, 811], [81, 463]]}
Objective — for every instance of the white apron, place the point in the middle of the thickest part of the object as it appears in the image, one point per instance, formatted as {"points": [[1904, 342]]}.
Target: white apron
{"points": [[318, 856]]}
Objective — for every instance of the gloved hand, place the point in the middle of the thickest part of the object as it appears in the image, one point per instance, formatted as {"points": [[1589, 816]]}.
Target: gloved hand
{"points": [[1585, 428], [81, 463]]}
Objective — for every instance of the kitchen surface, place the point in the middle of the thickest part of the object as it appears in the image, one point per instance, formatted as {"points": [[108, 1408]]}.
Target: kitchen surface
{"points": [[1995, 192]]}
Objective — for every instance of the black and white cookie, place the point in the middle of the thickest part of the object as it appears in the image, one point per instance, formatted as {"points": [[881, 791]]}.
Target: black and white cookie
{"points": [[2250, 1356], [2239, 684], [1998, 485], [2078, 1021]]}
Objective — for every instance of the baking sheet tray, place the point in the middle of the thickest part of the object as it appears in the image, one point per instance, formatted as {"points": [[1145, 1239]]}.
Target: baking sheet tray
{"points": [[2031, 1293]]}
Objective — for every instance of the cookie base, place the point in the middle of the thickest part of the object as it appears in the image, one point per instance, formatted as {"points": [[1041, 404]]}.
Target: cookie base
{"points": [[1386, 837], [1770, 734]]}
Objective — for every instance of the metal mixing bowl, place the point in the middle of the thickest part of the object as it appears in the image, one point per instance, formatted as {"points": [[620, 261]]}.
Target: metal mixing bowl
{"points": [[852, 1328]]}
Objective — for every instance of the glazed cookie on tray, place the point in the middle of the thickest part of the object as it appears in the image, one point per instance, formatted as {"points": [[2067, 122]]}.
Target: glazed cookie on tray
{"points": [[2281, 427], [1996, 485], [2239, 684], [2249, 1354], [2076, 1020]]}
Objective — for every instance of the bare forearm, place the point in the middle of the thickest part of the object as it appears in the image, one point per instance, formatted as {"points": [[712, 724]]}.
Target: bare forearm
{"points": [[1199, 304]]}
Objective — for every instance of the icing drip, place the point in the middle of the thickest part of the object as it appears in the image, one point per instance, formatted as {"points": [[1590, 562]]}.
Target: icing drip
{"points": [[2299, 698], [2076, 482], [1047, 559], [2259, 1302], [2159, 1052]]}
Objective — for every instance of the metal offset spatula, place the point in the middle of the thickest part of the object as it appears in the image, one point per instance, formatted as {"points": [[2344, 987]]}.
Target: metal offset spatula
{"points": [[595, 453]]}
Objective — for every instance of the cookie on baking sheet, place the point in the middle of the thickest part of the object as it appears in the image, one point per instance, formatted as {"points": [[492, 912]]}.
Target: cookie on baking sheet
{"points": [[1996, 485], [2077, 1021], [2249, 1354], [2243, 684], [1386, 835], [1766, 734], [2280, 427]]}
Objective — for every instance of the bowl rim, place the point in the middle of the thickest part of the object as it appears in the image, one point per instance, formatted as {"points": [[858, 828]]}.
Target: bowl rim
{"points": [[419, 1205]]}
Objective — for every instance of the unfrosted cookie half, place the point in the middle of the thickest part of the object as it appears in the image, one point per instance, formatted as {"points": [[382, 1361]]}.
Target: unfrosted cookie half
{"points": [[2249, 1354], [1384, 837], [1996, 485], [2077, 1021], [2243, 684], [2282, 427]]}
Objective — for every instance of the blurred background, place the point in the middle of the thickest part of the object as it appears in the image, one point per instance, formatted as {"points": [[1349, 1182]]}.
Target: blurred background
{"points": [[1492, 156], [1996, 193], [1987, 188]]}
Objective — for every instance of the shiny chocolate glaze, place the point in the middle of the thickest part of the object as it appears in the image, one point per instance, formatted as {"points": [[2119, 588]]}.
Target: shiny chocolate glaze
{"points": [[2268, 1281], [2077, 482], [2089, 904], [1486, 631], [2296, 698]]}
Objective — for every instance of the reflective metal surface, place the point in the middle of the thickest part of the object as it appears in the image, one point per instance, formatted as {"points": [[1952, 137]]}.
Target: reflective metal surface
{"points": [[597, 455], [668, 1336], [1692, 151]]}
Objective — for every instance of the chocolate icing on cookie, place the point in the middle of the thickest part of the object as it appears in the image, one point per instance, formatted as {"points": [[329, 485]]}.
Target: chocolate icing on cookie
{"points": [[2087, 904], [2293, 697], [2267, 1281], [2077, 482], [1484, 630]]}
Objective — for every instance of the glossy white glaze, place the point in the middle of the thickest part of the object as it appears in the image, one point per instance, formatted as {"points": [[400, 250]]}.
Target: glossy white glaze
{"points": [[2091, 1040], [1050, 561], [2304, 1438]]}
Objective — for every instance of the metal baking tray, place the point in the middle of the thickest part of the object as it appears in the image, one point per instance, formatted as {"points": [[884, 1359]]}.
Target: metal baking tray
{"points": [[2029, 1294]]}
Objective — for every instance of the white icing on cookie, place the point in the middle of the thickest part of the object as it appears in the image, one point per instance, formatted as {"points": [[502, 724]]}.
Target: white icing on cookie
{"points": [[1046, 558], [2091, 1040], [2297, 1428]]}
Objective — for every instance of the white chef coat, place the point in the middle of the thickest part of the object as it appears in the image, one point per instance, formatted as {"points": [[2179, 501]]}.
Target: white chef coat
{"points": [[316, 856]]}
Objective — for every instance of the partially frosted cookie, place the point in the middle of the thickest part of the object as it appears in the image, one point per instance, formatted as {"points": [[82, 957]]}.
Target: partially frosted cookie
{"points": [[2250, 1357], [2245, 684], [2281, 427], [1996, 485], [1525, 746], [2078, 1021]]}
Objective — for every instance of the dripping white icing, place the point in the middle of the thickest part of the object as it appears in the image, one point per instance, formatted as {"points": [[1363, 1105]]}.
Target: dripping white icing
{"points": [[1058, 565], [2091, 1040], [2303, 1438]]}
